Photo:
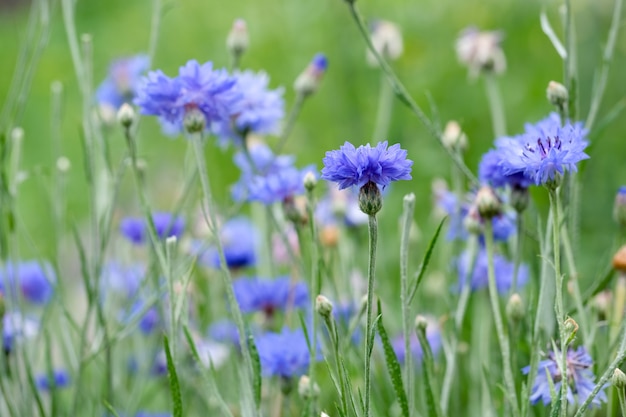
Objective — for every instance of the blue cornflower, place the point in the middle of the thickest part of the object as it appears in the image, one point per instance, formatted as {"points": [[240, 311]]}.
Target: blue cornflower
{"points": [[270, 295], [546, 150], [433, 335], [150, 318], [122, 81], [239, 240], [284, 354], [224, 331], [15, 328], [350, 166], [279, 185], [261, 109], [503, 271], [491, 170], [210, 91], [60, 379], [122, 279], [135, 228], [619, 207], [580, 378], [34, 280]]}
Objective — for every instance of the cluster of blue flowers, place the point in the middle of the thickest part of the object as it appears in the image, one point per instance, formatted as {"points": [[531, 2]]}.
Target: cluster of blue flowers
{"points": [[239, 240], [135, 229]]}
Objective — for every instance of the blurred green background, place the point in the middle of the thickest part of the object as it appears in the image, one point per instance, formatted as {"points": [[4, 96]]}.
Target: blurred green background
{"points": [[285, 34]]}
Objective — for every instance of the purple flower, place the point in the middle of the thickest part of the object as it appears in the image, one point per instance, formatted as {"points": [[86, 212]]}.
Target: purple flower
{"points": [[433, 335], [270, 295], [503, 271], [261, 109], [546, 150], [122, 81], [239, 240], [149, 319], [15, 328], [60, 379], [224, 331], [152, 414], [34, 280], [580, 378], [350, 166], [284, 354], [135, 228], [492, 172], [197, 86], [278, 186], [122, 279]]}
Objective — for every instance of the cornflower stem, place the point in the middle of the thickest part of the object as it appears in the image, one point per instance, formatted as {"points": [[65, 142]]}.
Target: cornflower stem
{"points": [[503, 340], [291, 121], [621, 395], [211, 219], [517, 255], [498, 119], [407, 217], [385, 104], [403, 95], [373, 238], [569, 62], [558, 305], [155, 23]]}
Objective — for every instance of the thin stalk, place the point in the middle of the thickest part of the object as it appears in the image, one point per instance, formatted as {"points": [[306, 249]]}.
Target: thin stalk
{"points": [[291, 122], [569, 62], [407, 217], [503, 340], [155, 23], [621, 395], [573, 273], [373, 238], [517, 256], [498, 119], [385, 104], [403, 95]]}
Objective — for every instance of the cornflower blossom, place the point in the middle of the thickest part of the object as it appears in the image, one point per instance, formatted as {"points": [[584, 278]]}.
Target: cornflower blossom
{"points": [[481, 51], [122, 81], [343, 314], [284, 354], [433, 336], [15, 328], [122, 279], [281, 253], [34, 279], [580, 378], [239, 240], [261, 109], [135, 229], [479, 279], [197, 87], [149, 320], [270, 295], [60, 379], [278, 186], [545, 151]]}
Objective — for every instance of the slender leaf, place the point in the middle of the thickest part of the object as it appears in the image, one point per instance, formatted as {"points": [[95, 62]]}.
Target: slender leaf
{"points": [[425, 261], [257, 381], [173, 377], [547, 29], [110, 408]]}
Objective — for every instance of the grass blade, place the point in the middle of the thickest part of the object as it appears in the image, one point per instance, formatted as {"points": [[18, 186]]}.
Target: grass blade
{"points": [[425, 261], [173, 377]]}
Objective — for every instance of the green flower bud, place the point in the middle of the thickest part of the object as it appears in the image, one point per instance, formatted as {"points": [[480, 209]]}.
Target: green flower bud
{"points": [[370, 199]]}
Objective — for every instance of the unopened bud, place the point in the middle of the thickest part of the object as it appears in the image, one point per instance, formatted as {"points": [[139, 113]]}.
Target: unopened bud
{"points": [[602, 303], [126, 115], [520, 197], [387, 41], [105, 114], [421, 323], [238, 40], [472, 221], [194, 121], [453, 137], [619, 208], [619, 259], [309, 80], [370, 199], [619, 379], [557, 94], [515, 308], [481, 51], [310, 181], [570, 328], [306, 389], [323, 306], [488, 203], [323, 414], [63, 164]]}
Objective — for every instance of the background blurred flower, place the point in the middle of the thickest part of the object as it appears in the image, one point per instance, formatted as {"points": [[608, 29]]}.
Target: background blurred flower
{"points": [[433, 335], [60, 379], [122, 81], [284, 354], [239, 240], [135, 228], [479, 279], [270, 295], [33, 278], [481, 51]]}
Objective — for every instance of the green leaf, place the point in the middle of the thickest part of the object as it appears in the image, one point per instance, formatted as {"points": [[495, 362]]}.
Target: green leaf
{"points": [[425, 261], [110, 408], [173, 377], [257, 381], [393, 367]]}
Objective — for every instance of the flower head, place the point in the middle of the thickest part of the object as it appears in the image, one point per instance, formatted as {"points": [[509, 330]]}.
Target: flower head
{"points": [[350, 166], [481, 51], [479, 278], [387, 40], [580, 378], [34, 279], [122, 279], [122, 81], [60, 379], [278, 186], [270, 295], [15, 328], [284, 354], [239, 240], [135, 228]]}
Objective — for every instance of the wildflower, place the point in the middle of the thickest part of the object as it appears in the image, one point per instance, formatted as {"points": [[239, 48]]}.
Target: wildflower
{"points": [[239, 240], [557, 94], [481, 51], [491, 170], [580, 378], [284, 354], [260, 109], [122, 81], [149, 318], [59, 378], [270, 295], [238, 40], [433, 335], [278, 186], [212, 354], [343, 314], [619, 208], [197, 87], [453, 137], [546, 150], [15, 328], [122, 279], [503, 271], [387, 41], [135, 228], [323, 306], [34, 280], [309, 80]]}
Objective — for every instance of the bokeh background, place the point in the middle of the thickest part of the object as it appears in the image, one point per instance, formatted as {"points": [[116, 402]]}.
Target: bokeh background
{"points": [[285, 34]]}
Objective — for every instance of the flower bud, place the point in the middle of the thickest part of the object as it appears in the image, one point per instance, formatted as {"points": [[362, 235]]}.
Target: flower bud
{"points": [[619, 379], [481, 51], [194, 121], [488, 203], [520, 197], [515, 308], [370, 199], [557, 94], [619, 259], [619, 209], [323, 414], [387, 41], [323, 306], [421, 323], [17, 134], [310, 181], [126, 115], [63, 164], [571, 328], [306, 389], [238, 40], [309, 80], [472, 221], [602, 303], [453, 137]]}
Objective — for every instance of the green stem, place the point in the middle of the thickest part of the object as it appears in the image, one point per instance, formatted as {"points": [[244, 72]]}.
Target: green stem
{"points": [[154, 28], [373, 238], [407, 217], [291, 122], [496, 106], [503, 340], [385, 104], [517, 256]]}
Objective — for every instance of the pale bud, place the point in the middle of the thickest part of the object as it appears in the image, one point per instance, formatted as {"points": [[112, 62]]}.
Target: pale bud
{"points": [[310, 181], [421, 323], [481, 51], [238, 39], [453, 137], [323, 414], [63, 164], [17, 135], [515, 308], [309, 80], [619, 379], [194, 121], [306, 389], [557, 94], [570, 328], [126, 115], [323, 306], [488, 203], [387, 41]]}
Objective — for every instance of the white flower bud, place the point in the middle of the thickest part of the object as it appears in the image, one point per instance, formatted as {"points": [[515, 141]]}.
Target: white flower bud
{"points": [[481, 51], [238, 39], [310, 181], [557, 94], [63, 164], [453, 137], [306, 389], [126, 115], [387, 41], [323, 306]]}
